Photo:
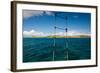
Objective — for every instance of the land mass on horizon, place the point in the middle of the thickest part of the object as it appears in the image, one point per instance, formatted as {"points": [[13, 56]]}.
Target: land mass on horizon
{"points": [[59, 36]]}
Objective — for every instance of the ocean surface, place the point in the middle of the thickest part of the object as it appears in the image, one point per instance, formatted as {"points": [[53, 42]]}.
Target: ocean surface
{"points": [[44, 49]]}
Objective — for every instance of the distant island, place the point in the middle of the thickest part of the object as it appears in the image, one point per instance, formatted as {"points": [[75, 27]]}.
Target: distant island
{"points": [[58, 36]]}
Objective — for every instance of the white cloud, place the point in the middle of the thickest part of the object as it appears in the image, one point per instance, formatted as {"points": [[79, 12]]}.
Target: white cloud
{"points": [[29, 13], [75, 16], [32, 33], [49, 13]]}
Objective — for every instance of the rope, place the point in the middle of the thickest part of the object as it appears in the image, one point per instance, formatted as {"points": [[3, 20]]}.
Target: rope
{"points": [[54, 39], [66, 42]]}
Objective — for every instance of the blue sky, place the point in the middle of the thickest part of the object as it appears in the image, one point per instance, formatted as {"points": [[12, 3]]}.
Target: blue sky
{"points": [[43, 22]]}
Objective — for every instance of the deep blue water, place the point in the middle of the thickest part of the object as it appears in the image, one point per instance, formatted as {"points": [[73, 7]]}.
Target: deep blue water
{"points": [[41, 49]]}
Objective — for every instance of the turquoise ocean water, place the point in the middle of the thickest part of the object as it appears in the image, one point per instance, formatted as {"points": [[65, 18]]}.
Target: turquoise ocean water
{"points": [[41, 49]]}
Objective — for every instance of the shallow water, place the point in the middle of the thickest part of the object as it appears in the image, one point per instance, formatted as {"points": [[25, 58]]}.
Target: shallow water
{"points": [[41, 49]]}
